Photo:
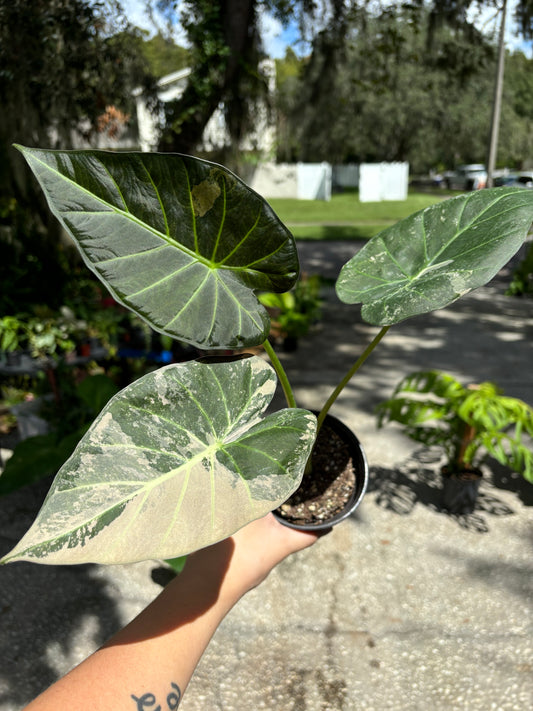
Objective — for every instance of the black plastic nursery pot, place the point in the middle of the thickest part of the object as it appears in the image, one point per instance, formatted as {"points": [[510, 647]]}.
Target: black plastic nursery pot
{"points": [[460, 490], [336, 484]]}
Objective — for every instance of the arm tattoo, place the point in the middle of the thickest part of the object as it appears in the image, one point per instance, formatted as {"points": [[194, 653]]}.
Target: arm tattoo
{"points": [[148, 701]]}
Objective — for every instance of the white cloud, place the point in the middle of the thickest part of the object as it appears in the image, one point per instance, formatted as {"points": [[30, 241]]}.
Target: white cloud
{"points": [[272, 36], [277, 38], [488, 19], [135, 12]]}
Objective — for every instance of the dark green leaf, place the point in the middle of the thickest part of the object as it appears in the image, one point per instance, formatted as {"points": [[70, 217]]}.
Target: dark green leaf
{"points": [[182, 242]]}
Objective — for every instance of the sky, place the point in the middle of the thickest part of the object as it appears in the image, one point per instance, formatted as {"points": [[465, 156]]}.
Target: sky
{"points": [[276, 39]]}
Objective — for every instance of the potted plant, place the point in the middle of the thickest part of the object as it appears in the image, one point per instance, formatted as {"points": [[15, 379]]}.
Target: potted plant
{"points": [[184, 457], [49, 431], [468, 423], [12, 335], [293, 312]]}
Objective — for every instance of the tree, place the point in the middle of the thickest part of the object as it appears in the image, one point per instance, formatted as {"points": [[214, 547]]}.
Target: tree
{"points": [[163, 55], [66, 61], [288, 72], [226, 51], [61, 64], [516, 129], [404, 87]]}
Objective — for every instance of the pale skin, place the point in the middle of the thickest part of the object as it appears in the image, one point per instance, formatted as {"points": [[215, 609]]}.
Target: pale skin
{"points": [[149, 663]]}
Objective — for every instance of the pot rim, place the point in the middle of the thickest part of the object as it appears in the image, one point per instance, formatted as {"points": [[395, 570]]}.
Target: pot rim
{"points": [[466, 474]]}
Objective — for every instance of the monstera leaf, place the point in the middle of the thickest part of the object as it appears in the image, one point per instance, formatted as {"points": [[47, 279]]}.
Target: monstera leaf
{"points": [[436, 255], [176, 461], [182, 242]]}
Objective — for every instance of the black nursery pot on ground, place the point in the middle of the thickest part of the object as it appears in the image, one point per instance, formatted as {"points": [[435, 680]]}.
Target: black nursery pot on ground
{"points": [[336, 484], [459, 491]]}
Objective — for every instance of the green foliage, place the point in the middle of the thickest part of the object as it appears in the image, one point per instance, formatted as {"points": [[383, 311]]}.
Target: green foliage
{"points": [[384, 81], [466, 422], [197, 460], [43, 455], [225, 54], [64, 64], [34, 266], [10, 333], [398, 82], [43, 336], [177, 564], [425, 261], [163, 55], [522, 277], [61, 65], [36, 458], [295, 311]]}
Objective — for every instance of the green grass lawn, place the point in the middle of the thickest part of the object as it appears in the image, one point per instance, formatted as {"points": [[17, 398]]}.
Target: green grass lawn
{"points": [[344, 217]]}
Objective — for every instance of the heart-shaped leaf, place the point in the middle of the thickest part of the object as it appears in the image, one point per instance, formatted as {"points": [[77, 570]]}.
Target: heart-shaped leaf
{"points": [[176, 461], [182, 242], [436, 255]]}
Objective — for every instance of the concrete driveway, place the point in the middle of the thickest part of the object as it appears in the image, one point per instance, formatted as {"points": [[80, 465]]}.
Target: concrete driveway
{"points": [[401, 607]]}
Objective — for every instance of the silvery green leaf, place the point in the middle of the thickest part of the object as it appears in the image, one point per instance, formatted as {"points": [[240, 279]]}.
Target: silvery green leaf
{"points": [[433, 257], [181, 241], [176, 461]]}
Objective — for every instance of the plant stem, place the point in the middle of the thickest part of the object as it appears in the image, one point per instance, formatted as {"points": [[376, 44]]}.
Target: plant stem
{"points": [[282, 375], [355, 367]]}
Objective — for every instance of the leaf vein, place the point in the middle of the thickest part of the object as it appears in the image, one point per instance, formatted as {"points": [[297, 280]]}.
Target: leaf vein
{"points": [[243, 240], [189, 302]]}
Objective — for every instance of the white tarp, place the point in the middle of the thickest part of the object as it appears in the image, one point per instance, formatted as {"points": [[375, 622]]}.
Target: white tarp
{"points": [[273, 180], [314, 181], [305, 181], [383, 181]]}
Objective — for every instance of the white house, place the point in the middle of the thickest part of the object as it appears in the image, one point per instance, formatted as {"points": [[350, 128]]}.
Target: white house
{"points": [[172, 86]]}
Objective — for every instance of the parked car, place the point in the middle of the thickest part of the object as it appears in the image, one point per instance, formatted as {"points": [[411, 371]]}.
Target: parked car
{"points": [[467, 177], [506, 181], [516, 180], [525, 179]]}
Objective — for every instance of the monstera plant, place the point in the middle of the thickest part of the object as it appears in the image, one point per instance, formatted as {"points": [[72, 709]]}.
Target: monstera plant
{"points": [[185, 456]]}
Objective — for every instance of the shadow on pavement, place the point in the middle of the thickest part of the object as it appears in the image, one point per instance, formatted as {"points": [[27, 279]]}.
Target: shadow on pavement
{"points": [[44, 609], [418, 481]]}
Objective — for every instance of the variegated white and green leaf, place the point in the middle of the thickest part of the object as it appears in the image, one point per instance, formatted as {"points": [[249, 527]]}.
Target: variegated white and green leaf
{"points": [[181, 241], [176, 461], [436, 255]]}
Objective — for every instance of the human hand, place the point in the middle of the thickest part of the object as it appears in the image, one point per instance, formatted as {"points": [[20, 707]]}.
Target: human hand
{"points": [[245, 559], [264, 543]]}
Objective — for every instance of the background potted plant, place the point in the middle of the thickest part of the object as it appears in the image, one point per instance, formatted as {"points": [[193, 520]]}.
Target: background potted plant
{"points": [[50, 430], [293, 312], [468, 423], [37, 340], [183, 456]]}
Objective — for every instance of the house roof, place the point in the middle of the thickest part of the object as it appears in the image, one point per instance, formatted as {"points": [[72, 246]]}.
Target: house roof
{"points": [[168, 80]]}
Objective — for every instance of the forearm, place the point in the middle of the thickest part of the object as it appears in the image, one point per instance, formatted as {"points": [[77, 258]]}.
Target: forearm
{"points": [[149, 663]]}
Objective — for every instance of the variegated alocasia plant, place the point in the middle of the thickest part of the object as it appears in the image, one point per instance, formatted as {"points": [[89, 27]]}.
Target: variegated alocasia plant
{"points": [[184, 456]]}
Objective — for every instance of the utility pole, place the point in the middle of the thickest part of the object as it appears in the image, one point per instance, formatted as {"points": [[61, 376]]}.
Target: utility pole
{"points": [[497, 102]]}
